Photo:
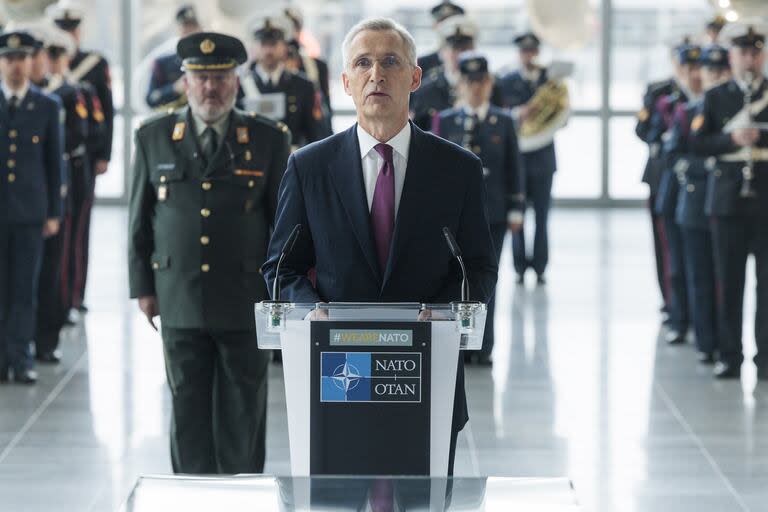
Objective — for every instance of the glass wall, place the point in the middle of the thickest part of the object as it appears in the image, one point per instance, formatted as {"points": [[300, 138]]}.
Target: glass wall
{"points": [[599, 158]]}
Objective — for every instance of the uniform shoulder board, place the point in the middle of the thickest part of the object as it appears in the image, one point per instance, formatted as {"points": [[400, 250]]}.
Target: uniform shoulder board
{"points": [[153, 119], [269, 122]]}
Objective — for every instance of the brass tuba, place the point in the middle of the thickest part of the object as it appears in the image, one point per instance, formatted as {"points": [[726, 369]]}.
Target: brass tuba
{"points": [[550, 109]]}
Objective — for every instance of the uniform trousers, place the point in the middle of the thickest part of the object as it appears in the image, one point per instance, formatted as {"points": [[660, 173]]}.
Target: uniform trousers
{"points": [[218, 382]]}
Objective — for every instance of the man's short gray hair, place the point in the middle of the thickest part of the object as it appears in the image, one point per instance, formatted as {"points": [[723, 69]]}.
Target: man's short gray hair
{"points": [[379, 24]]}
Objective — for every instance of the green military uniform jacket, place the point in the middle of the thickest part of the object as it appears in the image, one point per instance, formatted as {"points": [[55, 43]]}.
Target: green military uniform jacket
{"points": [[198, 230]]}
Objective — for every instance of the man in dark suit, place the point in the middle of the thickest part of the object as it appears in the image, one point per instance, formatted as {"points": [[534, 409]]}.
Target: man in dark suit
{"points": [[30, 199], [203, 195], [374, 199]]}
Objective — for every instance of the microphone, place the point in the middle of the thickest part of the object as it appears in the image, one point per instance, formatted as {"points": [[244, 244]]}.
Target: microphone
{"points": [[287, 248], [456, 251]]}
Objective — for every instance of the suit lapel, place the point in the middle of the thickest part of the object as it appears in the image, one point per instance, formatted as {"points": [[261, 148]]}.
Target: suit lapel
{"points": [[347, 175], [416, 184], [3, 109]]}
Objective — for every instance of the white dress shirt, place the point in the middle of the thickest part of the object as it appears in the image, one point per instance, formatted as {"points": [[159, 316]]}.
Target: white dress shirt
{"points": [[266, 76], [372, 162], [20, 94]]}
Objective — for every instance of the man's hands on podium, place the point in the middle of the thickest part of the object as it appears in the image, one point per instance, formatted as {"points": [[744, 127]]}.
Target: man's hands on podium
{"points": [[148, 306]]}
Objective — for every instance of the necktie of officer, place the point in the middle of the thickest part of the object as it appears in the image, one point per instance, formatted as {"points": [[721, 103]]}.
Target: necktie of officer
{"points": [[12, 104], [383, 207], [212, 143]]}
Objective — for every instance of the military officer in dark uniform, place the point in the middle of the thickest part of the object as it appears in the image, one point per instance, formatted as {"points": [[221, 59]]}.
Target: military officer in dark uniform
{"points": [[691, 172], [439, 13], [312, 67], [203, 198], [737, 197], [83, 127], [651, 133], [516, 89], [166, 89], [93, 69], [269, 88], [30, 199], [489, 132], [438, 89], [688, 61]]}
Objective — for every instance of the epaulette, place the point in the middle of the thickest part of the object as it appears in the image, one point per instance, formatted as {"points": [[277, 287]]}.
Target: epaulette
{"points": [[269, 122]]}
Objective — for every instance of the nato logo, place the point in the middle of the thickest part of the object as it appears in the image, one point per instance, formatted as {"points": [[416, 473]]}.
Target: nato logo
{"points": [[370, 377]]}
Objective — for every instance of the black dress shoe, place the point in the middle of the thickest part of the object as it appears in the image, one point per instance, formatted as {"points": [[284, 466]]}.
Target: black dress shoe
{"points": [[53, 357], [540, 279], [673, 337], [82, 308], [520, 279], [727, 371], [484, 360], [706, 357], [25, 377], [277, 356], [3, 375], [762, 373]]}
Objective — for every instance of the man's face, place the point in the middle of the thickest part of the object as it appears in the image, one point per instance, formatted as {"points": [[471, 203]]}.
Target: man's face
{"points": [[745, 60], [449, 54], [15, 68], [40, 66], [714, 76], [476, 92], [211, 94], [378, 75], [691, 74], [528, 56], [270, 53], [187, 29]]}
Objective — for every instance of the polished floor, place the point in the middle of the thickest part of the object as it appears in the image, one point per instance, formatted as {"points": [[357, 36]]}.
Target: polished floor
{"points": [[580, 388]]}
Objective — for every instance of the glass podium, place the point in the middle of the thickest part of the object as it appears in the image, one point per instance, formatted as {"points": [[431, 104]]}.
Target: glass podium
{"points": [[265, 493]]}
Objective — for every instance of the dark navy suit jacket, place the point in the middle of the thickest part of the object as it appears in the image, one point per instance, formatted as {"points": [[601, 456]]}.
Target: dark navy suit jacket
{"points": [[323, 189]]}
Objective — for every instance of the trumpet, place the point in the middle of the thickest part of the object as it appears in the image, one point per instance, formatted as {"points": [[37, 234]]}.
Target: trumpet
{"points": [[747, 172]]}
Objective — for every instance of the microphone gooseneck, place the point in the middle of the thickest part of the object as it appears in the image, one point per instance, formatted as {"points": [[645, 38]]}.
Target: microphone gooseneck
{"points": [[287, 248]]}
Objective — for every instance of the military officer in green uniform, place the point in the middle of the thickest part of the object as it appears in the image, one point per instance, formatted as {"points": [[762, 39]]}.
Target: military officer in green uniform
{"points": [[203, 197]]}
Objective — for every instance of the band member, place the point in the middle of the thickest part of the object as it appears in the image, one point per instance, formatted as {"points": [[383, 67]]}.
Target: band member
{"points": [[737, 199], [517, 90], [691, 172], [274, 91], [166, 88], [439, 13], [489, 132], [30, 185]]}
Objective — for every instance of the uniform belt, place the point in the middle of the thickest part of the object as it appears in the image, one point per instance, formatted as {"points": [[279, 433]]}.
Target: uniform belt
{"points": [[758, 155], [77, 152]]}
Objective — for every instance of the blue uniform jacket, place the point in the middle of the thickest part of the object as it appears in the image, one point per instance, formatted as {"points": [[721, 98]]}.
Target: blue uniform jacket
{"points": [[515, 90], [494, 141], [31, 159], [166, 70]]}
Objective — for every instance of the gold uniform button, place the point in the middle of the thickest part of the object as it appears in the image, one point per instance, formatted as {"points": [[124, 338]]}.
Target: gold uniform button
{"points": [[205, 267], [251, 184], [12, 134], [155, 266], [11, 178], [718, 173], [12, 148], [11, 164], [207, 185], [35, 139], [163, 179], [691, 187], [205, 212], [293, 108], [205, 240]]}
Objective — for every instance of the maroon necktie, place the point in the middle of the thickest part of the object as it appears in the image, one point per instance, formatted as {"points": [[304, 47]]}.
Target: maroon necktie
{"points": [[383, 207]]}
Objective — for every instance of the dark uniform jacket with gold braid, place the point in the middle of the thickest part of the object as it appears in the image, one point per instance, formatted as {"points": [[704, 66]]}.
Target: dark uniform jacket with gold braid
{"points": [[199, 230], [709, 138]]}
